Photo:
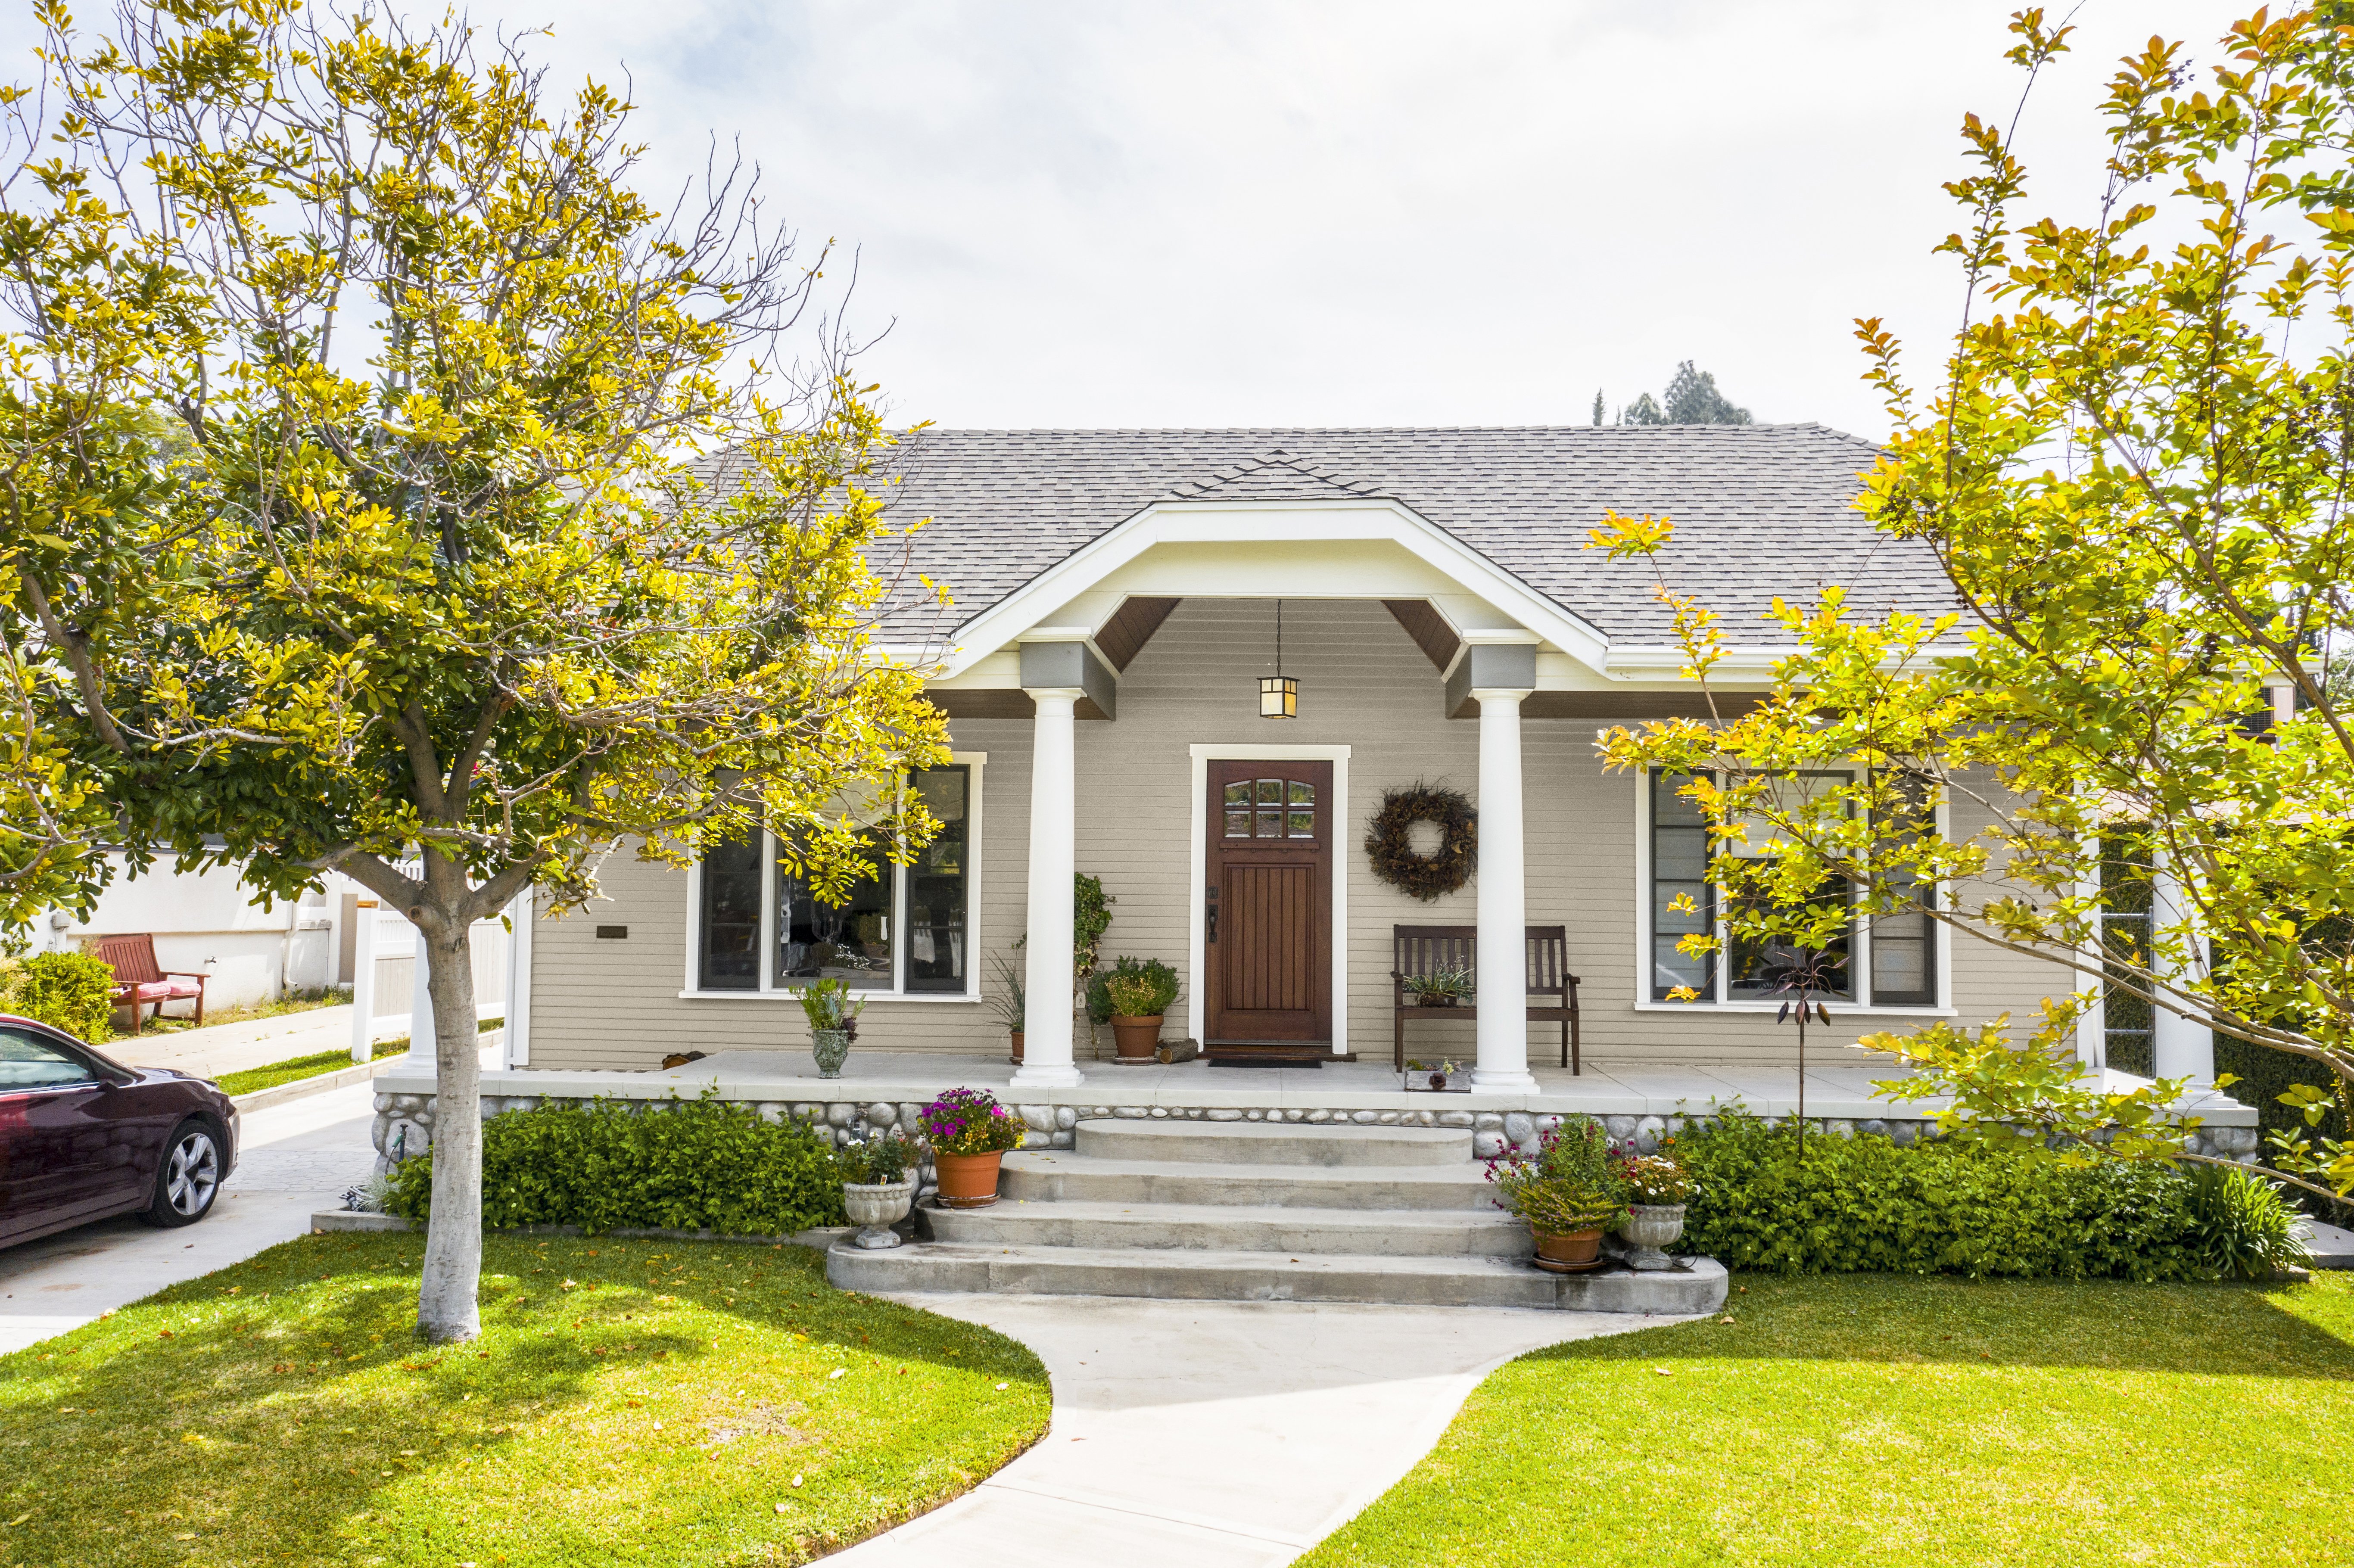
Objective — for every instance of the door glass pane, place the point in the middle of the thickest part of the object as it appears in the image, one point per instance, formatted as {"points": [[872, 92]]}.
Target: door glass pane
{"points": [[939, 884], [1238, 824], [729, 958], [850, 940], [1270, 824], [1302, 794], [1238, 794], [1303, 824], [1270, 791], [1679, 870]]}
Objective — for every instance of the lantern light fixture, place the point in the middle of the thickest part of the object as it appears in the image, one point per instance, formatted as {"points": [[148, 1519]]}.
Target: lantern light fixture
{"points": [[1278, 695]]}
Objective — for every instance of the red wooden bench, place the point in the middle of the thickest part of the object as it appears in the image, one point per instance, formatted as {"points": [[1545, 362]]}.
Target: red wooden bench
{"points": [[1431, 949], [138, 982]]}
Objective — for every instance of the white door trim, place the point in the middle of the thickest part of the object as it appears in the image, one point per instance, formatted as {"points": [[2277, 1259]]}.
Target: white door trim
{"points": [[1197, 948]]}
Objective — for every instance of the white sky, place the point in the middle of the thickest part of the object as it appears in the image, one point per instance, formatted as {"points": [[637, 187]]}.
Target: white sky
{"points": [[1231, 212]]}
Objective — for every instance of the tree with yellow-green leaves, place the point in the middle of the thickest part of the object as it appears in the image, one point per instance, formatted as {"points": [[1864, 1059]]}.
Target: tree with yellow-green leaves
{"points": [[2136, 473], [399, 562]]}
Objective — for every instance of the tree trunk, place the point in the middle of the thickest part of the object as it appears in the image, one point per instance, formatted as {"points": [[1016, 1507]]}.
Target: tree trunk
{"points": [[446, 1297]]}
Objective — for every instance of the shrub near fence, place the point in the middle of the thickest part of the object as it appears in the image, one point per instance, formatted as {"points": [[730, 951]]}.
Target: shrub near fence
{"points": [[692, 1165], [1863, 1204]]}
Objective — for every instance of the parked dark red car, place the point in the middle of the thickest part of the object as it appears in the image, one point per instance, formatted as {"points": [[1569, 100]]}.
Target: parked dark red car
{"points": [[84, 1137]]}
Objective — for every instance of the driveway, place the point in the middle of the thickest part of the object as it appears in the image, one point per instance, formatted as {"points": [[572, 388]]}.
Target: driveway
{"points": [[297, 1158]]}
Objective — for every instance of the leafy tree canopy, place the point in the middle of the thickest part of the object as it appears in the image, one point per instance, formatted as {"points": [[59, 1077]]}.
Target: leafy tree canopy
{"points": [[2136, 474], [1692, 399]]}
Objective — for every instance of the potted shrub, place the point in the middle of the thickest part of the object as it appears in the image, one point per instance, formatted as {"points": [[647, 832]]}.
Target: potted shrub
{"points": [[1657, 1188], [833, 1022], [968, 1132], [1140, 992], [1444, 988], [878, 1184], [1008, 1001], [1568, 1192]]}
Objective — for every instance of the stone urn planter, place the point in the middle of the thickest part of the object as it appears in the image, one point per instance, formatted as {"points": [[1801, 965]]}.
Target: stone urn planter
{"points": [[1649, 1228], [875, 1207], [1134, 1040], [831, 1049], [966, 1180], [1576, 1253]]}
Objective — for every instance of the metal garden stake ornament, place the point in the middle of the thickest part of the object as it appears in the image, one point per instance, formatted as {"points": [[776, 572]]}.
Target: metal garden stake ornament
{"points": [[1804, 980]]}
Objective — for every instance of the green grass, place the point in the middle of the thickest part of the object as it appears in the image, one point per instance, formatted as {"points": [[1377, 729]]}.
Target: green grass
{"points": [[254, 1079], [299, 1000], [629, 1401], [1872, 1419]]}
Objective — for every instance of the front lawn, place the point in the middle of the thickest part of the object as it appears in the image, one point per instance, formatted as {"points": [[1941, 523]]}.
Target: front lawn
{"points": [[319, 1063], [629, 1401], [1886, 1420]]}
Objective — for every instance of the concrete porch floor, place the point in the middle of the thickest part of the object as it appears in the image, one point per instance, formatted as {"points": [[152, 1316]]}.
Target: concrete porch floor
{"points": [[1839, 1088]]}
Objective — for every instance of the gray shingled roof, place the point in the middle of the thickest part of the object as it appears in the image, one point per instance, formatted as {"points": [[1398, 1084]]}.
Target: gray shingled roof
{"points": [[1760, 510]]}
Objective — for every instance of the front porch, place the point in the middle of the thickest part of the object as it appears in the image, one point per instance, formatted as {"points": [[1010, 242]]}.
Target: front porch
{"points": [[883, 1088]]}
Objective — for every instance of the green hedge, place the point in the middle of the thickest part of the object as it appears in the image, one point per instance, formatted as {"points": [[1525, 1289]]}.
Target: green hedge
{"points": [[693, 1165], [2263, 1077], [1863, 1204], [73, 991]]}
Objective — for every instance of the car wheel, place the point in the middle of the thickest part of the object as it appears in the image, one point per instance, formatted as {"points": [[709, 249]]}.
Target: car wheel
{"points": [[188, 1177]]}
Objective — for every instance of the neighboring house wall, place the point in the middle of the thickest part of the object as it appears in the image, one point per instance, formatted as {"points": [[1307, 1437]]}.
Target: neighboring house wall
{"points": [[615, 1003], [205, 922]]}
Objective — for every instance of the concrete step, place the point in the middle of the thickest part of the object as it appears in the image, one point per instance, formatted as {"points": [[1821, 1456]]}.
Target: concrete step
{"points": [[1270, 1276], [1162, 1227], [1066, 1176], [1274, 1143]]}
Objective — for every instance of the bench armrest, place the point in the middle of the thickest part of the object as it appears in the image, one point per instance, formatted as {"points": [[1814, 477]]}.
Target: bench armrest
{"points": [[195, 975]]}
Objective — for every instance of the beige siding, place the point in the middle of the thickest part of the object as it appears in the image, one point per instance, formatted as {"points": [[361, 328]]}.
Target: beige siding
{"points": [[1364, 684]]}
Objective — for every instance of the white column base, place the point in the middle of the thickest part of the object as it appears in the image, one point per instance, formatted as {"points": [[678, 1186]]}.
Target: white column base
{"points": [[1057, 1077], [1486, 1082]]}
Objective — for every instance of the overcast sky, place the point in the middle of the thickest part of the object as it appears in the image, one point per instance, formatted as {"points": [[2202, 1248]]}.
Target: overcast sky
{"points": [[1278, 212]]}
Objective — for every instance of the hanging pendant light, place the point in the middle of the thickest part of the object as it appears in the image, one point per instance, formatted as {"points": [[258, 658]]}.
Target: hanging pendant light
{"points": [[1278, 695]]}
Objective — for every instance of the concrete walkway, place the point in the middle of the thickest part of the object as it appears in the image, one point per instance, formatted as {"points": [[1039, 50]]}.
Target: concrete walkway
{"points": [[219, 1049], [1215, 1434], [297, 1157]]}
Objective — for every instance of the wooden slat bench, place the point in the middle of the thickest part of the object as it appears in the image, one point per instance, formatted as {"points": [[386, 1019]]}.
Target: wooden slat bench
{"points": [[1428, 950], [138, 982]]}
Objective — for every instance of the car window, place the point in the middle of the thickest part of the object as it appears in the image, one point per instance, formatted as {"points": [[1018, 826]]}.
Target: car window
{"points": [[30, 1062]]}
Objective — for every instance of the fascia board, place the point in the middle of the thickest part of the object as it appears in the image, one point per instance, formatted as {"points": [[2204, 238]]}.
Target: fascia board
{"points": [[1196, 522]]}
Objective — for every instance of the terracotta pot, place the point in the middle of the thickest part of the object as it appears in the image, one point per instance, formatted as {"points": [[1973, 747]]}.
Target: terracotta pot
{"points": [[1572, 1254], [967, 1180], [1017, 1047], [1648, 1228], [1136, 1039]]}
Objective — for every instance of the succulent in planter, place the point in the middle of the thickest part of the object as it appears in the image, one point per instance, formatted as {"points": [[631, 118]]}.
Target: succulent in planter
{"points": [[1569, 1192], [1441, 987]]}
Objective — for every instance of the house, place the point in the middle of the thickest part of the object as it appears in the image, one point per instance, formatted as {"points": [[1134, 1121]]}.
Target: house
{"points": [[1191, 663], [1120, 596]]}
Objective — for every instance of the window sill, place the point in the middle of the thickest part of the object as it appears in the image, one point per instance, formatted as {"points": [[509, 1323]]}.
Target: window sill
{"points": [[1837, 1009], [795, 997]]}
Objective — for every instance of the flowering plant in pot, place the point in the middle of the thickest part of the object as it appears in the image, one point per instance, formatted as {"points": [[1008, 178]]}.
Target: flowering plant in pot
{"points": [[1569, 1192], [833, 1015], [1140, 992], [968, 1132], [1657, 1186], [1442, 988], [878, 1184]]}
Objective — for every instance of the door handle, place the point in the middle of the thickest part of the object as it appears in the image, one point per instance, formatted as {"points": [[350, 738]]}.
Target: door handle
{"points": [[1214, 916]]}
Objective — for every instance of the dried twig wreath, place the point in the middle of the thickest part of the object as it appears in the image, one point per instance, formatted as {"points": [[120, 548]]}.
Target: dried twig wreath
{"points": [[1389, 843]]}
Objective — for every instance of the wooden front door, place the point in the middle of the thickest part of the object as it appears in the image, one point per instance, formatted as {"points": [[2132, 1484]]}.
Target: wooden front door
{"points": [[1268, 888]]}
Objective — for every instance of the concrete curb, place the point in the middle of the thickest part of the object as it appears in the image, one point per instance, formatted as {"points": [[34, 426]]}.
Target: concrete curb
{"points": [[822, 1237], [320, 1084]]}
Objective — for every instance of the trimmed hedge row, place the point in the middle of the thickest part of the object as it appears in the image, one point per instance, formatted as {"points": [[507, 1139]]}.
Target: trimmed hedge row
{"points": [[692, 1165], [1863, 1204], [2263, 1077]]}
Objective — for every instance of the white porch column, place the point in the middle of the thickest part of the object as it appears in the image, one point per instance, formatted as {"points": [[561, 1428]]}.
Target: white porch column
{"points": [[1046, 971], [2178, 1047], [1503, 982]]}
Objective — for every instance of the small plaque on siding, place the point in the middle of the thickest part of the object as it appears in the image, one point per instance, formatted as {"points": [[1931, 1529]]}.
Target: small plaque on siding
{"points": [[612, 933]]}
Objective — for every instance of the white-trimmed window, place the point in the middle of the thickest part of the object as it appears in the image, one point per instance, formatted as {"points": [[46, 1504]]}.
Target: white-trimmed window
{"points": [[757, 929], [1892, 959]]}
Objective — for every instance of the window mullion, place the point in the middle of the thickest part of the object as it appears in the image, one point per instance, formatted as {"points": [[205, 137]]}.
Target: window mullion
{"points": [[768, 910]]}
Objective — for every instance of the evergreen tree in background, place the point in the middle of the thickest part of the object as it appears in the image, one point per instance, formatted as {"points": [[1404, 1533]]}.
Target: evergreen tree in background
{"points": [[1692, 399]]}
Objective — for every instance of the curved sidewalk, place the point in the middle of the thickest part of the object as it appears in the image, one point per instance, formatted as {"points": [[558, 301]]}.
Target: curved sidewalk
{"points": [[1208, 1433]]}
